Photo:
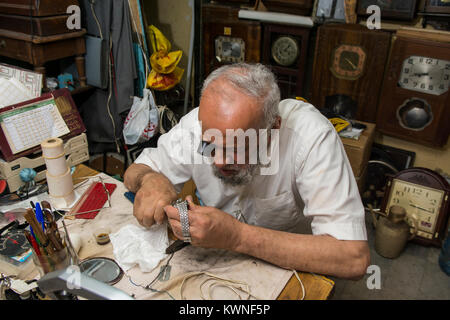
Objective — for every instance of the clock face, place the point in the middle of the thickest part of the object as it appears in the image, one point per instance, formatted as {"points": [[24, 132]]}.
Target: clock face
{"points": [[424, 202], [230, 49], [348, 62], [424, 74], [285, 50]]}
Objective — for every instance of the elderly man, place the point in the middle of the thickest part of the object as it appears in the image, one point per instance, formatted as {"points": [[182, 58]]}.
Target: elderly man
{"points": [[303, 212]]}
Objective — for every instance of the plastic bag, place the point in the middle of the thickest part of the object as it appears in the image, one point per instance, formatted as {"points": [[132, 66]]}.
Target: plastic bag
{"points": [[141, 123]]}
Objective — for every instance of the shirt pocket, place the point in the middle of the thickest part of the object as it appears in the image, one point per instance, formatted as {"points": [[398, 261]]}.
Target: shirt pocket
{"points": [[278, 212]]}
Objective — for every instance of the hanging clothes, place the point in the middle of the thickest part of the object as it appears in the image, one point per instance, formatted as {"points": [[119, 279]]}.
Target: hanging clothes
{"points": [[102, 109]]}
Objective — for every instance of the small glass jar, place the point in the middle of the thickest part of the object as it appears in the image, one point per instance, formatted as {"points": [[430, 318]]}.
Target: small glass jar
{"points": [[46, 263]]}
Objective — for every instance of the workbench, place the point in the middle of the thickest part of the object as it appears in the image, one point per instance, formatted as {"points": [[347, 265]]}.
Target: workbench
{"points": [[317, 287]]}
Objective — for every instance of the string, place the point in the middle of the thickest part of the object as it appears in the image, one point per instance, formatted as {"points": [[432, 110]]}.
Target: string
{"points": [[233, 285]]}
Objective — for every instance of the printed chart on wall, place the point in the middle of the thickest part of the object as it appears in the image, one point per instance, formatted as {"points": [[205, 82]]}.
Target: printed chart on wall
{"points": [[26, 127]]}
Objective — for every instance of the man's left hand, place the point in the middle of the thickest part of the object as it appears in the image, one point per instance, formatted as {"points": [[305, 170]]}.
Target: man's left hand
{"points": [[209, 226]]}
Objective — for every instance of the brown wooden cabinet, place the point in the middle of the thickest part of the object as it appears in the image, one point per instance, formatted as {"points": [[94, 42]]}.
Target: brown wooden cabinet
{"points": [[350, 60], [36, 32]]}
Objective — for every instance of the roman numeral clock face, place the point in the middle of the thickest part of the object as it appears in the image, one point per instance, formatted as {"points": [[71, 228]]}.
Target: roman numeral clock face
{"points": [[427, 75]]}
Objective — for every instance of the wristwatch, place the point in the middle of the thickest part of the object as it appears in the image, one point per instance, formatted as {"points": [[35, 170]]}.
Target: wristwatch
{"points": [[182, 207]]}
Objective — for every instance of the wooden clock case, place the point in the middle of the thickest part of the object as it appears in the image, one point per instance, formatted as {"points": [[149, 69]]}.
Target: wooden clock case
{"points": [[393, 96], [220, 20], [290, 78], [366, 88], [428, 178]]}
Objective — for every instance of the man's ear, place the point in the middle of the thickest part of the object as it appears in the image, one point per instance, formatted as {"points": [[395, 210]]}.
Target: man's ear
{"points": [[277, 123]]}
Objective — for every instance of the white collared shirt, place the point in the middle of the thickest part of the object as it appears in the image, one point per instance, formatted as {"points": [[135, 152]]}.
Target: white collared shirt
{"points": [[314, 189]]}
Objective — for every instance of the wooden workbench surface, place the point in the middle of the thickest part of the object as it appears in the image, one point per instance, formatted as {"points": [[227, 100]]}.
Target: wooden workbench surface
{"points": [[317, 287]]}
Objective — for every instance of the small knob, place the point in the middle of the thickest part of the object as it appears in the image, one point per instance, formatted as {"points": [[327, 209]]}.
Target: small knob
{"points": [[2, 44]]}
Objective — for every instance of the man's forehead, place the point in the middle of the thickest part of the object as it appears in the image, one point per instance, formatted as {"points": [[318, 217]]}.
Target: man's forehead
{"points": [[224, 107]]}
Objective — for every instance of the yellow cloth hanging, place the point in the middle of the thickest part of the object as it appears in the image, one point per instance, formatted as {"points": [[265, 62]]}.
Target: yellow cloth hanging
{"points": [[165, 74]]}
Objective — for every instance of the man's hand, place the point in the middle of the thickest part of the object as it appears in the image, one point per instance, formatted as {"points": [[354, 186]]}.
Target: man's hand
{"points": [[154, 194], [209, 227]]}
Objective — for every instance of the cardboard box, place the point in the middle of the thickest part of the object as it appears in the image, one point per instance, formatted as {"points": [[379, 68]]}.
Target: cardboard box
{"points": [[358, 151]]}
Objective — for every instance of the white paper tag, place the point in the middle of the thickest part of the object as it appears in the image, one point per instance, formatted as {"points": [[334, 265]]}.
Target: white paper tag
{"points": [[20, 286]]}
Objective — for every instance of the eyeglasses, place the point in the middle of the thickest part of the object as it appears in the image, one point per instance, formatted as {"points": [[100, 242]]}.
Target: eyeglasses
{"points": [[207, 149]]}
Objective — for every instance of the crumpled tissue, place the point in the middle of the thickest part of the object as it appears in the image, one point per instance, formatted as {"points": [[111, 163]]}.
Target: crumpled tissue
{"points": [[136, 245]]}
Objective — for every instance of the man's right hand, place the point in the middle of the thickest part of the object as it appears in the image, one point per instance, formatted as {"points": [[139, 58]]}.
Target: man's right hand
{"points": [[153, 192]]}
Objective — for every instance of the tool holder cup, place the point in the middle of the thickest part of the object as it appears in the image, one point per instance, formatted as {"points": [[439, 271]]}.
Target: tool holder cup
{"points": [[48, 262], [393, 231]]}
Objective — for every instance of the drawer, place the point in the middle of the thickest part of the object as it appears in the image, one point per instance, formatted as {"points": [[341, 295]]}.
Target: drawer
{"points": [[16, 49]]}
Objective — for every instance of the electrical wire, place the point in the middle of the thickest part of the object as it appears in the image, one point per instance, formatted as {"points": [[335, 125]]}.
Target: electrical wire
{"points": [[148, 286], [301, 284], [96, 19], [233, 285]]}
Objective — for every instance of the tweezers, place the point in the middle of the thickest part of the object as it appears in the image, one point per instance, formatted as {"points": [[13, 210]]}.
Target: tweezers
{"points": [[176, 246]]}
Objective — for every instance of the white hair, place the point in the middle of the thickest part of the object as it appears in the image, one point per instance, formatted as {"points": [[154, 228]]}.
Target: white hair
{"points": [[254, 80]]}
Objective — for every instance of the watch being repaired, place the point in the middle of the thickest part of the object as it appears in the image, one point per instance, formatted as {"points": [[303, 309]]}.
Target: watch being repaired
{"points": [[182, 207]]}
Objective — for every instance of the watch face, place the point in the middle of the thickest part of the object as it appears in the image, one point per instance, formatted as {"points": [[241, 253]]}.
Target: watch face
{"points": [[230, 49], [348, 62], [424, 202], [427, 75], [285, 50]]}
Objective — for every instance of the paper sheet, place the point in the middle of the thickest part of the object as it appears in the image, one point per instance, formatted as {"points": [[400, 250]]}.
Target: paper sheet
{"points": [[27, 127], [13, 92], [31, 80]]}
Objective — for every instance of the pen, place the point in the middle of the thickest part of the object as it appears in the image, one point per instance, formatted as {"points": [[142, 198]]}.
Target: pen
{"points": [[40, 216]]}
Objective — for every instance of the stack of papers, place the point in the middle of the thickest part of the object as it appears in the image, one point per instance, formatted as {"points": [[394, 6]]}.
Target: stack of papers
{"points": [[12, 91]]}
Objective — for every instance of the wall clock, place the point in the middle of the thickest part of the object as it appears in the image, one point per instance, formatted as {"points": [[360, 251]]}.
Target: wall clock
{"points": [[415, 98], [390, 9], [285, 49], [226, 39], [229, 49], [350, 60], [424, 193]]}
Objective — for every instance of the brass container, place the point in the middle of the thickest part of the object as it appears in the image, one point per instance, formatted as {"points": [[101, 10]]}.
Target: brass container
{"points": [[393, 232]]}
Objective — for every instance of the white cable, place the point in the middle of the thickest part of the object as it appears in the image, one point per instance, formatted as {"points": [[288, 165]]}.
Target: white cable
{"points": [[301, 284], [218, 281], [110, 95], [96, 19]]}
